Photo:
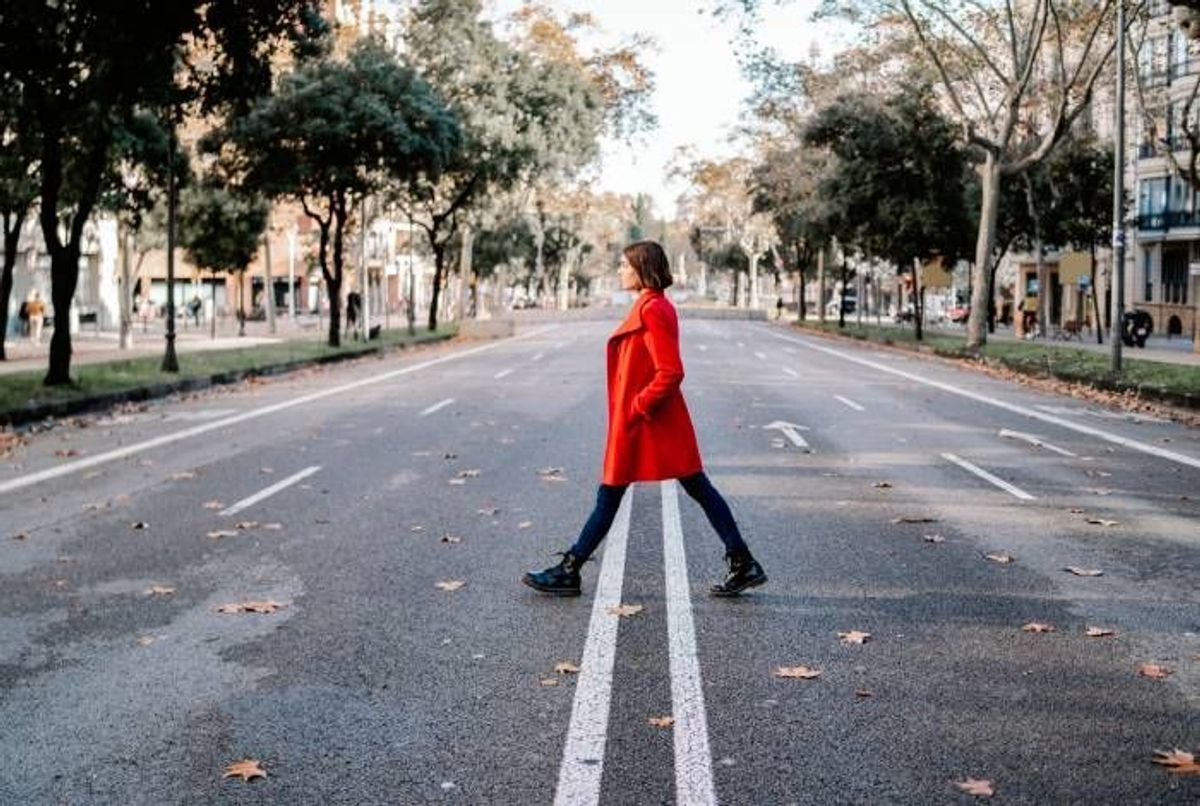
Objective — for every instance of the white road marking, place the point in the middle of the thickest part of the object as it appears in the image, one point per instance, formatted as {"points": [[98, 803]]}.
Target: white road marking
{"points": [[1034, 440], [441, 404], [763, 356], [1025, 411], [983, 474], [792, 432], [539, 357], [849, 403], [269, 491], [583, 756], [791, 372], [693, 758], [187, 433], [503, 373]]}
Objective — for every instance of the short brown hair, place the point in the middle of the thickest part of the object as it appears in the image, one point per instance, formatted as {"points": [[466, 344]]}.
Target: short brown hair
{"points": [[650, 262]]}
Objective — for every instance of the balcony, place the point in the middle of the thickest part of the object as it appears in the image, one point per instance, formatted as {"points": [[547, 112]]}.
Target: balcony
{"points": [[1158, 222]]}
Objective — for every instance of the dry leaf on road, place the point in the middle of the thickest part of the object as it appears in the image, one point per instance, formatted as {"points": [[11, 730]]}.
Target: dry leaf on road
{"points": [[524, 524], [625, 610], [1102, 522], [145, 640], [451, 539], [272, 527], [1083, 572], [854, 637], [160, 590], [863, 692], [661, 721], [882, 485], [213, 505], [247, 769], [183, 475], [975, 786], [219, 533], [269, 606], [914, 519], [490, 511], [1037, 626], [457, 482], [1154, 671], [797, 672], [1099, 632], [246, 526], [1000, 557], [450, 584], [934, 539], [1177, 761], [66, 453], [552, 474], [20, 536], [469, 474], [549, 681], [566, 667]]}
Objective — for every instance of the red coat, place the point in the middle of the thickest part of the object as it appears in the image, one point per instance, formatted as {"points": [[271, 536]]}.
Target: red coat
{"points": [[650, 435]]}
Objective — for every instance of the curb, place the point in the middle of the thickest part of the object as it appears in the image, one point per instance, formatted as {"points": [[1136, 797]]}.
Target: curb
{"points": [[41, 411], [1146, 392]]}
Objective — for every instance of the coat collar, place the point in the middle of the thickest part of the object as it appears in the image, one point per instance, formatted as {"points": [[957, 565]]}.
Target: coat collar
{"points": [[633, 321]]}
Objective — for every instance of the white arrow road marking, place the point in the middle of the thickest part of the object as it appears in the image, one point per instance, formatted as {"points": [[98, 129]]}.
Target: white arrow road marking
{"points": [[583, 756], [1025, 411], [441, 404], [792, 372], [983, 474], [187, 433], [1034, 440], [693, 759], [849, 403], [503, 373], [792, 432], [269, 491]]}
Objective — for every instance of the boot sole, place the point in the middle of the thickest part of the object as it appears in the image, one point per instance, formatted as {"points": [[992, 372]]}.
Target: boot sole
{"points": [[754, 583], [551, 591]]}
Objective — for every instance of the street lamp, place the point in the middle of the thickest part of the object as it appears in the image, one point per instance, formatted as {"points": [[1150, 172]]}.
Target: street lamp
{"points": [[1118, 242]]}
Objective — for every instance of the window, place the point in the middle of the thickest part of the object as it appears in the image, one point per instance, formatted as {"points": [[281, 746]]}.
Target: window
{"points": [[1175, 277], [1148, 275], [1152, 196]]}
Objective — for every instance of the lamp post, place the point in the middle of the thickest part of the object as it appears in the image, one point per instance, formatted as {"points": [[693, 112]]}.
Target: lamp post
{"points": [[1118, 268], [170, 361]]}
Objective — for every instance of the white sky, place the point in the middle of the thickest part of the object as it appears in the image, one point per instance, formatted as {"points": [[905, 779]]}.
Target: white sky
{"points": [[699, 86]]}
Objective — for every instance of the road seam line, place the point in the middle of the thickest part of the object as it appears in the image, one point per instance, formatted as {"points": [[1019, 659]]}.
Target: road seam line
{"points": [[582, 767], [1024, 411], [187, 433], [1035, 441], [693, 758], [849, 402], [269, 491], [441, 404], [1012, 489]]}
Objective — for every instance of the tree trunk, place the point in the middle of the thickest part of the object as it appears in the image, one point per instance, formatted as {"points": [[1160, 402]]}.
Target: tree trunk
{"points": [[989, 208], [125, 303], [1096, 299], [336, 272], [842, 294], [754, 280], [268, 282], [12, 236], [821, 285], [439, 265], [464, 270], [918, 303]]}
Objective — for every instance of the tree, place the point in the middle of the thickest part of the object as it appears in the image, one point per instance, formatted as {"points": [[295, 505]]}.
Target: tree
{"points": [[123, 59], [896, 191], [335, 131], [18, 187]]}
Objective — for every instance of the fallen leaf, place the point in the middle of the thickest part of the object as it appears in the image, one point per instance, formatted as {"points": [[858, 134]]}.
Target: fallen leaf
{"points": [[934, 539], [247, 769], [854, 637], [1177, 761], [489, 511], [797, 672], [1076, 510], [66, 453], [549, 681], [1083, 572], [1099, 491], [524, 524], [449, 585], [146, 462], [219, 533], [1098, 473], [451, 539], [1099, 632], [139, 525], [1000, 557], [145, 640], [1037, 626], [160, 590], [272, 527], [661, 721], [974, 786], [1154, 671], [1101, 522], [914, 519], [268, 606], [213, 505], [446, 455], [457, 481], [882, 485], [864, 692], [468, 474], [566, 667], [245, 526], [625, 611], [417, 529], [20, 536], [552, 474]]}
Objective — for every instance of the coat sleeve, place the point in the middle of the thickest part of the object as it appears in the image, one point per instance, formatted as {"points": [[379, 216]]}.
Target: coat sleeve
{"points": [[661, 336]]}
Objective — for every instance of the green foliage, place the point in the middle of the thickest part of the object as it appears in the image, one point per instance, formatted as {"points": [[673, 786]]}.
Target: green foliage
{"points": [[219, 227]]}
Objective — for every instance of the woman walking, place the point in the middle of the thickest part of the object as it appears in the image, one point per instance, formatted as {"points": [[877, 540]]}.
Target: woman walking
{"points": [[36, 309], [650, 435]]}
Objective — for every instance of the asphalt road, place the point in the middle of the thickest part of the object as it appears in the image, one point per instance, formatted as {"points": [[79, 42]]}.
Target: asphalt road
{"points": [[370, 684]]}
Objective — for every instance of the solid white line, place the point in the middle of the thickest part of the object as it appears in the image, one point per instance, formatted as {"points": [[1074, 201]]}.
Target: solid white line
{"points": [[1035, 441], [1025, 411], [583, 756], [849, 403], [187, 433], [269, 491], [983, 474], [441, 404], [693, 759], [503, 373], [791, 372]]}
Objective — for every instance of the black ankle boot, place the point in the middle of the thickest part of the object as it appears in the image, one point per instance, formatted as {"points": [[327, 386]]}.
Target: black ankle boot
{"points": [[558, 580], [744, 572]]}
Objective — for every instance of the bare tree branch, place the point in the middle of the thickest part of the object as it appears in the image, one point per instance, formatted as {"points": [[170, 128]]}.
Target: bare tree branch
{"points": [[938, 9]]}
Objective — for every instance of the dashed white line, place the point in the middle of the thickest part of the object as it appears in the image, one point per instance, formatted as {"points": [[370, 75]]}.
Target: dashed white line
{"points": [[1035, 441], [503, 373], [847, 401], [582, 766], [441, 404], [693, 758], [986, 476], [269, 491], [792, 372]]}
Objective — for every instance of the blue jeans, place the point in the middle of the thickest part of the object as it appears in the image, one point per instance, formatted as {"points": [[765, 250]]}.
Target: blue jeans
{"points": [[608, 500]]}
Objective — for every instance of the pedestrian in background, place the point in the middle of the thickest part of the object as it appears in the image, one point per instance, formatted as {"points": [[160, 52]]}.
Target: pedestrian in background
{"points": [[650, 434], [353, 306], [36, 309]]}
